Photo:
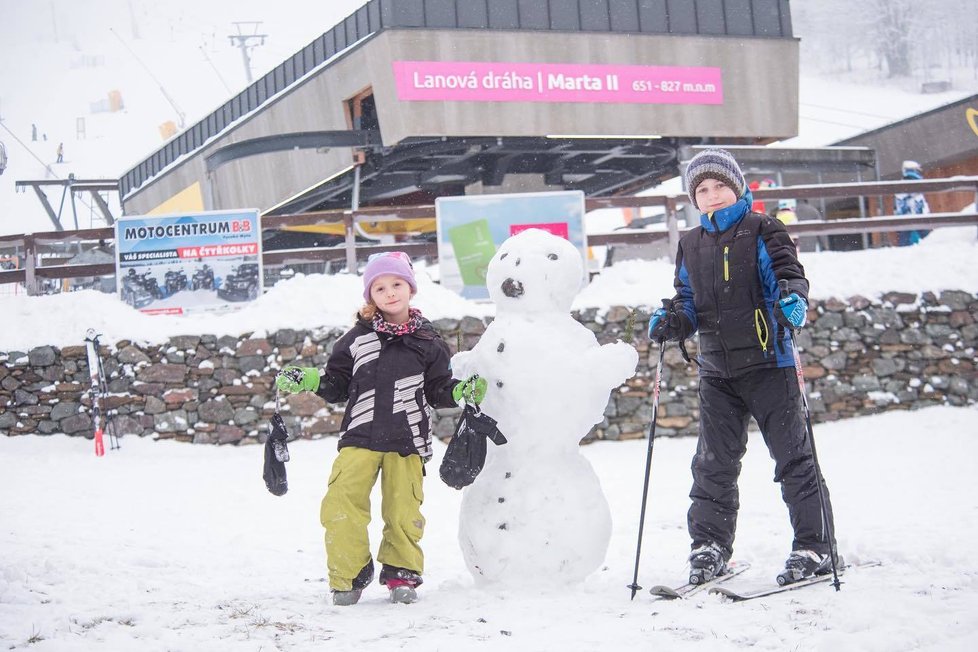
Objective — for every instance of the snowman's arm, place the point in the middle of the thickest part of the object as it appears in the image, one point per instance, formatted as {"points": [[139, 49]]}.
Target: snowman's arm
{"points": [[460, 364], [612, 363]]}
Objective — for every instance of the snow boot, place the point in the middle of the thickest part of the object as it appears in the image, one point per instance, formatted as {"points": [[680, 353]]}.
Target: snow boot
{"points": [[402, 591], [360, 582], [802, 564], [706, 563], [401, 582], [346, 598]]}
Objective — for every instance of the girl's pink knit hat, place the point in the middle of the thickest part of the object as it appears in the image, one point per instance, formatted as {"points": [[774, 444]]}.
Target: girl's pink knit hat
{"points": [[395, 263]]}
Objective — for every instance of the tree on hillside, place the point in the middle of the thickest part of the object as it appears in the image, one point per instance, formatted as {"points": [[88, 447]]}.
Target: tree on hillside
{"points": [[891, 31], [900, 37]]}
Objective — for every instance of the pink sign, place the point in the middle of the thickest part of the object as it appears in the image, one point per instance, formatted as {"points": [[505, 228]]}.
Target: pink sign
{"points": [[559, 229], [462, 81]]}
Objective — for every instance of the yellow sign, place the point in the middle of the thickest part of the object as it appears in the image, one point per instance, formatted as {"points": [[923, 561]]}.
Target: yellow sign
{"points": [[971, 115], [188, 200]]}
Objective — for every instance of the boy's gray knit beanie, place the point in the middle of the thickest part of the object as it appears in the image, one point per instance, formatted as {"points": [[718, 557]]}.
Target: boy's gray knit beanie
{"points": [[713, 163]]}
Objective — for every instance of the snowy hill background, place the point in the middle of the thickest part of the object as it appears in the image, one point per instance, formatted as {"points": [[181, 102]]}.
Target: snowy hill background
{"points": [[61, 59]]}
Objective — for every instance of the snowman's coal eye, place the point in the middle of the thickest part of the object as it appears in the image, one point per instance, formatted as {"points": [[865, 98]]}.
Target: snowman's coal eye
{"points": [[503, 256], [552, 256]]}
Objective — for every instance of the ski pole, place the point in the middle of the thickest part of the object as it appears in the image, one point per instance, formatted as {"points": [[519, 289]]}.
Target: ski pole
{"points": [[110, 426], [648, 465], [800, 375]]}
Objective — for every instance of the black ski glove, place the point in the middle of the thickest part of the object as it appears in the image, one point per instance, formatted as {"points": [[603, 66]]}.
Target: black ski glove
{"points": [[276, 455], [669, 324]]}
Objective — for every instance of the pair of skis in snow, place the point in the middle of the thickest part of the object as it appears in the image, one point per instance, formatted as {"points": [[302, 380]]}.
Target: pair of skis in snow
{"points": [[715, 586], [101, 419]]}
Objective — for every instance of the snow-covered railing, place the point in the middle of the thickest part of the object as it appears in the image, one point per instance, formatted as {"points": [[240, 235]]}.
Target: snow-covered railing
{"points": [[36, 262]]}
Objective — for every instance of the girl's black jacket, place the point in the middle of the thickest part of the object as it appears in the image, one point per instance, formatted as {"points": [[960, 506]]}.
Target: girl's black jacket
{"points": [[390, 383]]}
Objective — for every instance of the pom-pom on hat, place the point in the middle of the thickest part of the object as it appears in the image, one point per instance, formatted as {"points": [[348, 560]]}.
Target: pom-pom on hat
{"points": [[713, 163], [395, 263]]}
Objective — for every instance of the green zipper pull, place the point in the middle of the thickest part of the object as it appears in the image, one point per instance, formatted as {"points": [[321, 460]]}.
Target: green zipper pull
{"points": [[726, 263]]}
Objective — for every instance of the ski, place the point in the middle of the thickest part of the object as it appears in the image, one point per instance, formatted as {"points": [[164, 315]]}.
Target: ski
{"points": [[742, 595], [687, 590], [91, 349]]}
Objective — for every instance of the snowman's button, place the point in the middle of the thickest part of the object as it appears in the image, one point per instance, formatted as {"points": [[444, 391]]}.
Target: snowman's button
{"points": [[502, 345], [499, 383]]}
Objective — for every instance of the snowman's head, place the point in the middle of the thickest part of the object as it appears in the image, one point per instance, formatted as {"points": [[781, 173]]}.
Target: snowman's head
{"points": [[535, 271]]}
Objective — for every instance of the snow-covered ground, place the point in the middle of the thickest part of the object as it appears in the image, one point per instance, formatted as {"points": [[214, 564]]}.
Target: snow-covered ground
{"points": [[169, 547]]}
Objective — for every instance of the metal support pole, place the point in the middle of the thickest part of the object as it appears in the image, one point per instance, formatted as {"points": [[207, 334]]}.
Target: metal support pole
{"points": [[862, 208], [351, 243], [74, 207], [30, 252]]}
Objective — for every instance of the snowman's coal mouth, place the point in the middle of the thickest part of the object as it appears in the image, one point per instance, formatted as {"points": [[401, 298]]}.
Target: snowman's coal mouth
{"points": [[512, 288]]}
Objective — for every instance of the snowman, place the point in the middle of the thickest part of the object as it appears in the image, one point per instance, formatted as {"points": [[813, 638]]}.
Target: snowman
{"points": [[537, 513]]}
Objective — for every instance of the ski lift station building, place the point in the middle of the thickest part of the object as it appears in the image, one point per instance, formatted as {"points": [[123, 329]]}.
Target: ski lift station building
{"points": [[408, 100]]}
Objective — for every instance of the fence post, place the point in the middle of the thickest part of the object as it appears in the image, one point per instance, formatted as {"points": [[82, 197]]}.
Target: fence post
{"points": [[351, 244], [672, 225], [30, 253]]}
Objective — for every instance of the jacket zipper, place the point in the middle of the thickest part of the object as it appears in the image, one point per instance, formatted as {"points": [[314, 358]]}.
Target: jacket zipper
{"points": [[726, 263], [716, 295]]}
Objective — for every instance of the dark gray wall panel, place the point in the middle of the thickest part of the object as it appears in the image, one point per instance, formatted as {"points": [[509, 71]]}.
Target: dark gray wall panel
{"points": [[440, 13], [740, 19], [624, 15], [682, 16], [564, 14], [767, 17], [653, 16], [534, 14], [407, 13], [474, 13], [709, 18], [504, 14], [594, 15]]}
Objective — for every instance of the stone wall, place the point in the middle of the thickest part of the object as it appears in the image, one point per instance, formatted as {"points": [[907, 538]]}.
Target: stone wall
{"points": [[860, 358]]}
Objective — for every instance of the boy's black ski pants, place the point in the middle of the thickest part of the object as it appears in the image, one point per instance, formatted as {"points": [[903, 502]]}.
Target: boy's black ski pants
{"points": [[772, 397]]}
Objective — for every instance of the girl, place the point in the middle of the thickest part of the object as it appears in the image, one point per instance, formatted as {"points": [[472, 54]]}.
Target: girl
{"points": [[392, 367]]}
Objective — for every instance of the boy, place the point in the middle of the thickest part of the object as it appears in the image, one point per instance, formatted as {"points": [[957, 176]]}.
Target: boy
{"points": [[727, 273]]}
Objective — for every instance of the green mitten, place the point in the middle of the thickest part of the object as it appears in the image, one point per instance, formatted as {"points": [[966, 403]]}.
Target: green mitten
{"points": [[297, 379], [471, 390]]}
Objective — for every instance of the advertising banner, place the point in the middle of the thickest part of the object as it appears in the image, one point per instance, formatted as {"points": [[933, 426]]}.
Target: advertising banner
{"points": [[470, 229], [189, 263], [483, 81]]}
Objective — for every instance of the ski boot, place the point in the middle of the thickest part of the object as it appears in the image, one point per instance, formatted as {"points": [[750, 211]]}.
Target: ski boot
{"points": [[706, 563], [360, 582], [401, 582], [802, 564]]}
